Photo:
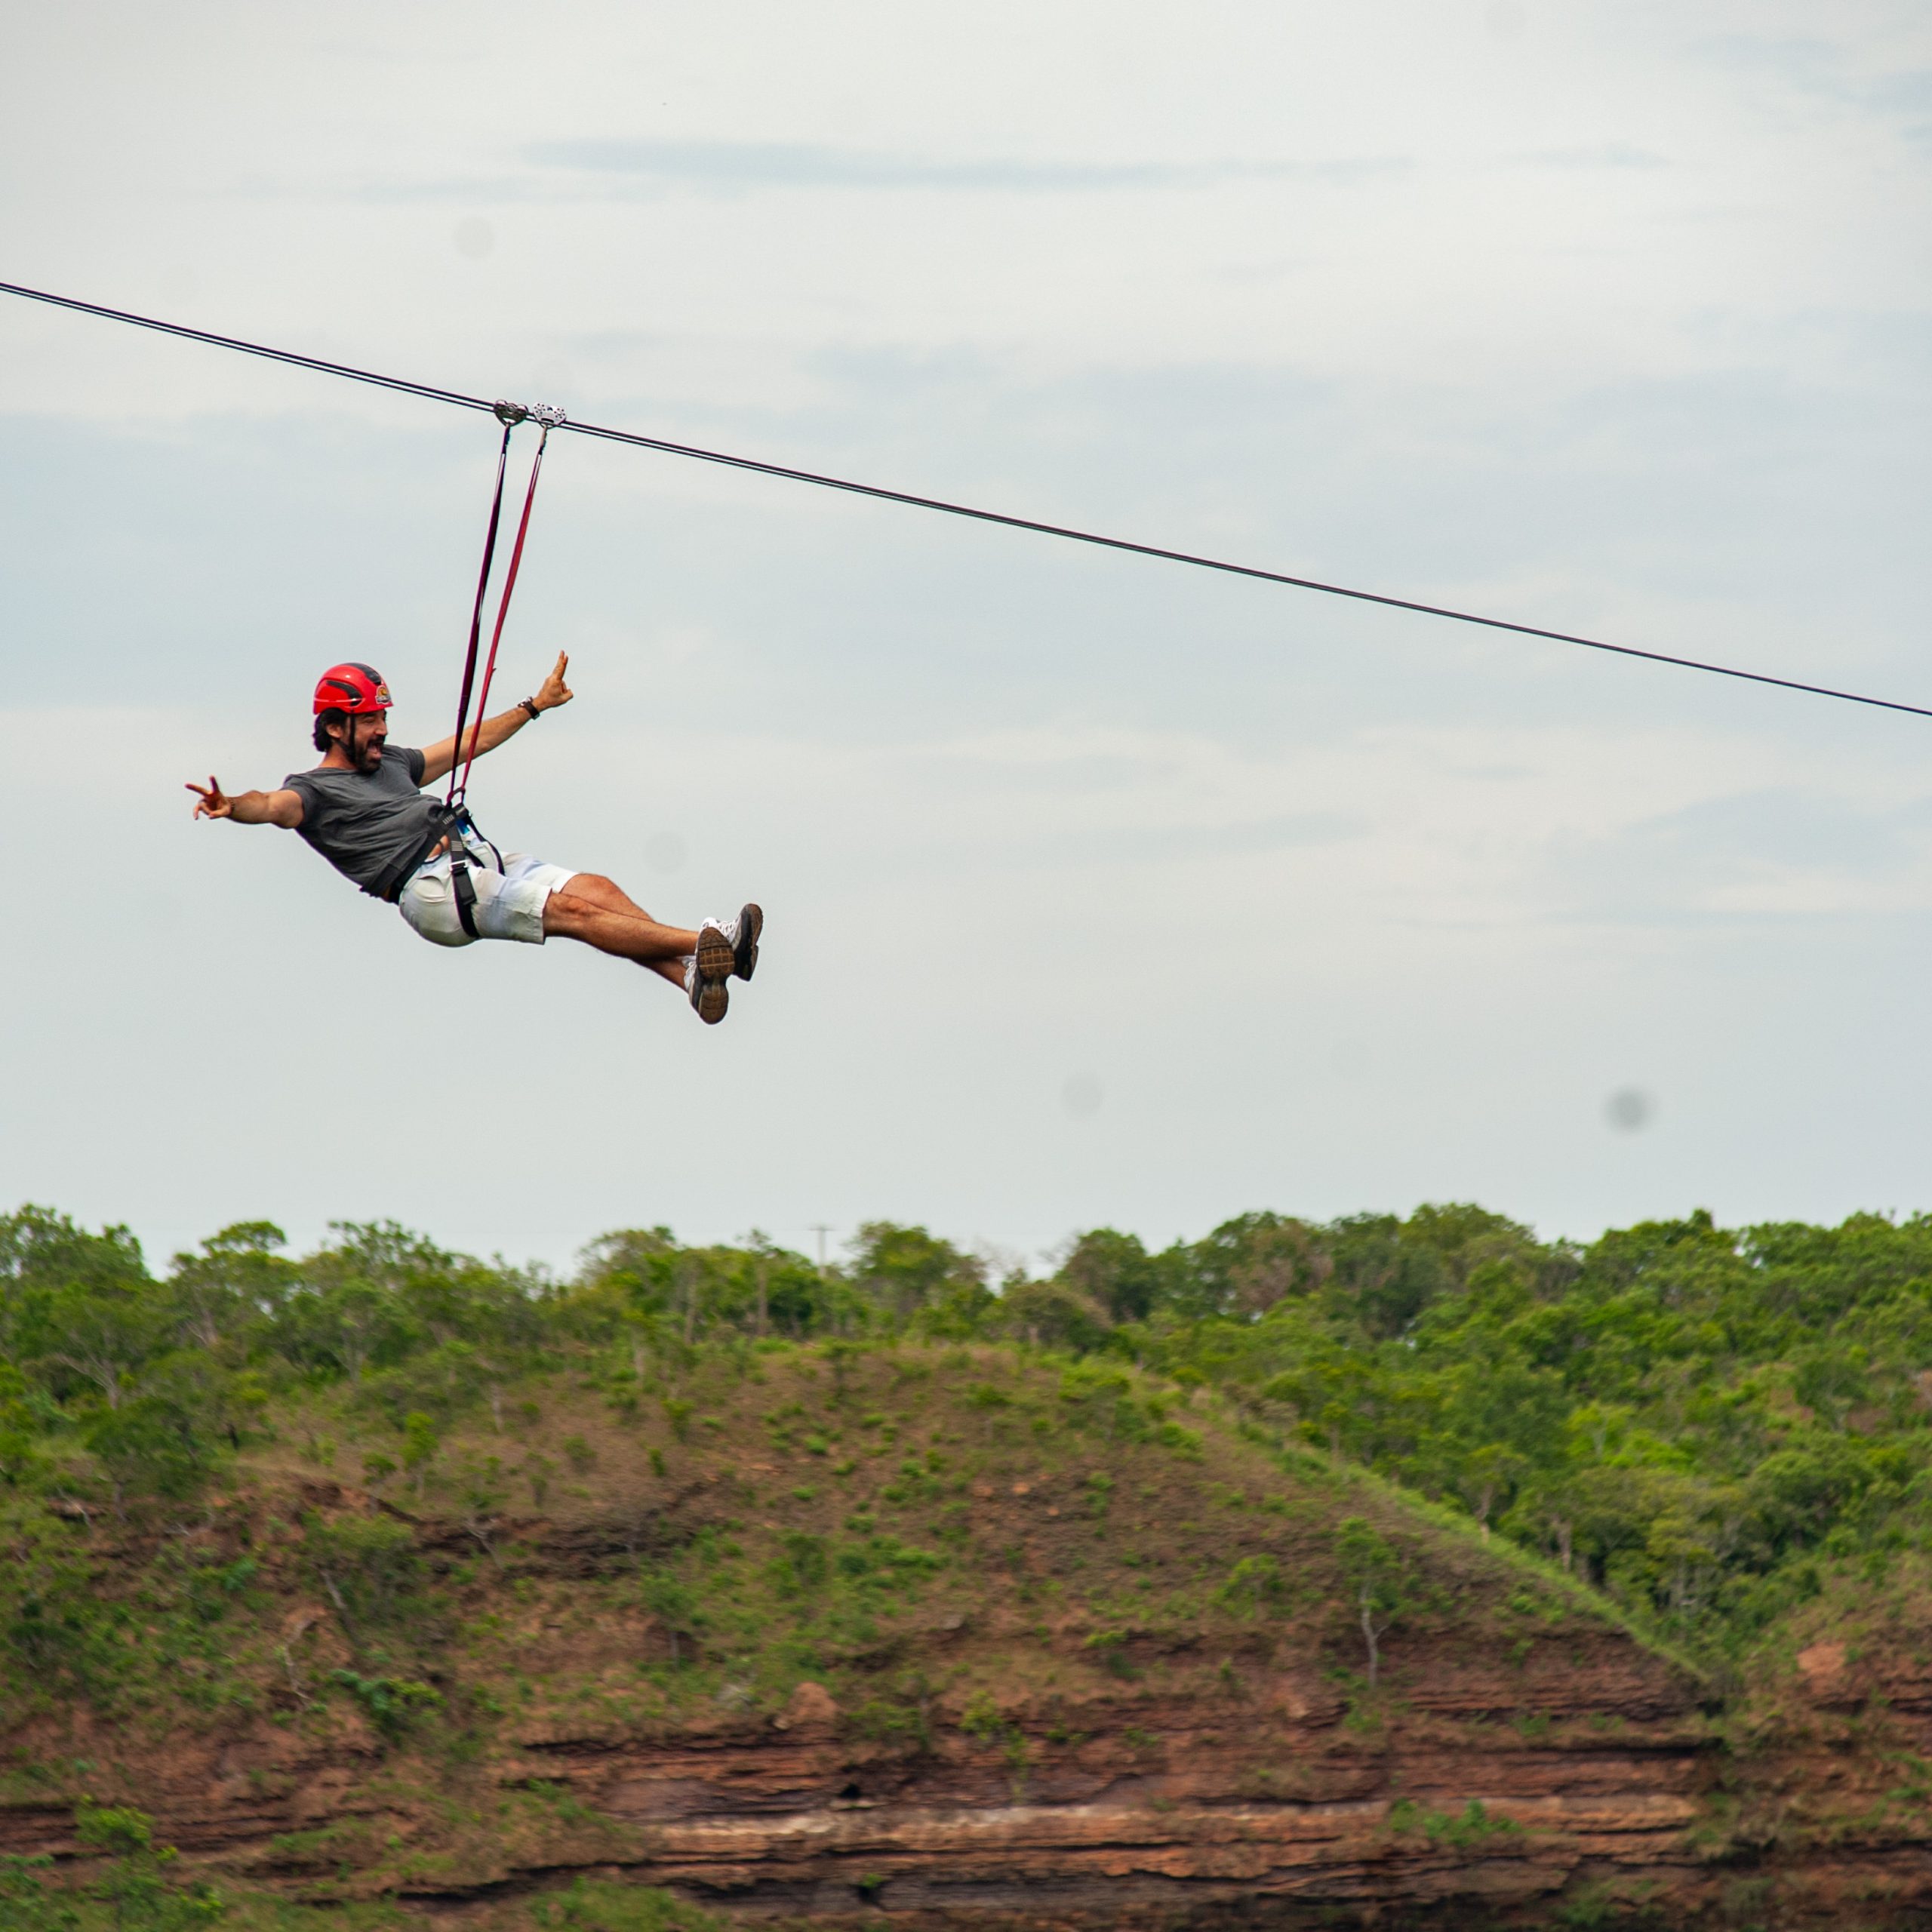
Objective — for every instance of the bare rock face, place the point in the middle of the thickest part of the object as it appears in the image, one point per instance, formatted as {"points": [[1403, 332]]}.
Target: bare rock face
{"points": [[810, 1712], [1823, 1667], [1582, 1773], [1511, 1785]]}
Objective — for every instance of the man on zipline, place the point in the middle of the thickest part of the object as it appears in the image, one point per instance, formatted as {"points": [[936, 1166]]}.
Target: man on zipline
{"points": [[363, 809]]}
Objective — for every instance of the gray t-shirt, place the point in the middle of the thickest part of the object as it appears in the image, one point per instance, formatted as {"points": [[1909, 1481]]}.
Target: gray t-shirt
{"points": [[375, 827]]}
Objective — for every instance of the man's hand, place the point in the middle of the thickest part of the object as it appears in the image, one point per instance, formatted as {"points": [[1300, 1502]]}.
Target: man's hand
{"points": [[487, 733], [553, 691], [215, 802]]}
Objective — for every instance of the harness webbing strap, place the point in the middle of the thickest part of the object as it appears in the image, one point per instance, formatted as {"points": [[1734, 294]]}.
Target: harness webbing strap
{"points": [[456, 810], [476, 612], [458, 790], [463, 888]]}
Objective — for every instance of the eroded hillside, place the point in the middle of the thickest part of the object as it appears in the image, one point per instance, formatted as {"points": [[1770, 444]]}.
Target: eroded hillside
{"points": [[838, 1631], [384, 1581]]}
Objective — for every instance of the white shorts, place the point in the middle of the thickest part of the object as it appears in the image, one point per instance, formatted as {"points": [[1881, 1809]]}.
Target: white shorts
{"points": [[509, 903]]}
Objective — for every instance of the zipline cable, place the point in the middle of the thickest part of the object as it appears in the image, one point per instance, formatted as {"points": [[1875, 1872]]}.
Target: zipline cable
{"points": [[1073, 536], [1065, 533], [433, 394]]}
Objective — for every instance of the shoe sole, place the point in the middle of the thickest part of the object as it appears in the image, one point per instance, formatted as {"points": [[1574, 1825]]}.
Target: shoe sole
{"points": [[751, 924], [714, 956], [715, 962]]}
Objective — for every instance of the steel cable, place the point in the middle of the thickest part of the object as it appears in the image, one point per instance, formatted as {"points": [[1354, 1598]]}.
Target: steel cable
{"points": [[1065, 533]]}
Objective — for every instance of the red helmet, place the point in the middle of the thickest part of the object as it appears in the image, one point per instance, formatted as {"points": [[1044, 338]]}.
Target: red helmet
{"points": [[357, 689]]}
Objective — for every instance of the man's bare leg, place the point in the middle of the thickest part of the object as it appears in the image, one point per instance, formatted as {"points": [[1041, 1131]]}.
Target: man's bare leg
{"points": [[601, 913]]}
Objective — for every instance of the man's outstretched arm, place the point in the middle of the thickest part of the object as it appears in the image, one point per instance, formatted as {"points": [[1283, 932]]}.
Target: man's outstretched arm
{"points": [[283, 808], [439, 759]]}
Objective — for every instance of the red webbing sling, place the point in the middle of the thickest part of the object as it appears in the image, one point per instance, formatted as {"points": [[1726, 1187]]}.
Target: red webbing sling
{"points": [[457, 788], [456, 804], [509, 422]]}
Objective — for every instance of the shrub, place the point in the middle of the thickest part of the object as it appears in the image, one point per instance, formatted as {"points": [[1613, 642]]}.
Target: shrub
{"points": [[806, 1563], [26, 1904], [1254, 1582], [368, 1565], [392, 1704], [1109, 1651], [136, 1884]]}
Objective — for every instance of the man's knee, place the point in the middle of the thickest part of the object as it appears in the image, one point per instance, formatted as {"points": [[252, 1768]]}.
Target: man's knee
{"points": [[563, 913], [583, 895]]}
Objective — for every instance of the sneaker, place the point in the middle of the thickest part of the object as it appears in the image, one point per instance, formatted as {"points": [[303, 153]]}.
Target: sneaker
{"points": [[705, 973], [743, 932]]}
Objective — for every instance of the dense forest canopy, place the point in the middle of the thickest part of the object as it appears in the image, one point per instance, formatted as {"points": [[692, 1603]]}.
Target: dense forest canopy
{"points": [[1695, 1419]]}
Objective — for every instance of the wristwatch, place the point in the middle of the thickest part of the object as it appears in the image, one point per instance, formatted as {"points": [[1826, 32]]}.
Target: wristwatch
{"points": [[529, 704]]}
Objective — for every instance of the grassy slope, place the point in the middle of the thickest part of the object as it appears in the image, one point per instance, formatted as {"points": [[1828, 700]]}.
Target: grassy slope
{"points": [[938, 1537]]}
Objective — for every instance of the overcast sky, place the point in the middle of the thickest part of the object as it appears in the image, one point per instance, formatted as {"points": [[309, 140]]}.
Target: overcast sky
{"points": [[1098, 891]]}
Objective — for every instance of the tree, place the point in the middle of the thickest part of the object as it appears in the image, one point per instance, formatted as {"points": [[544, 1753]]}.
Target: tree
{"points": [[797, 1299], [149, 1446], [674, 1605], [99, 1325], [1388, 1277], [905, 1269], [368, 1565], [1055, 1315], [1342, 1394], [1114, 1270], [1464, 1235], [237, 1280], [1483, 1475], [1249, 1264], [1500, 1419], [419, 1445], [342, 1325], [1377, 1578]]}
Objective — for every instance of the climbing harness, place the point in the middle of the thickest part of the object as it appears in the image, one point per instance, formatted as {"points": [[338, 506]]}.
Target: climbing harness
{"points": [[458, 825]]}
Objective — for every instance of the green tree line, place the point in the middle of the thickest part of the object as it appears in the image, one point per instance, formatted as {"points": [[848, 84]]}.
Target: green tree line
{"points": [[1696, 1420]]}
